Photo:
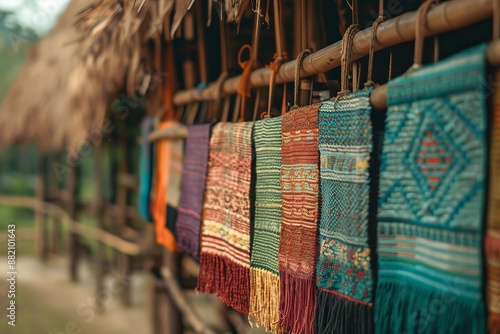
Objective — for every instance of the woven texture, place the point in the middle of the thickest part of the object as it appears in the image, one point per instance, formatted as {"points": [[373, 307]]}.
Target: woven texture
{"points": [[164, 155], [174, 184], [431, 202], [264, 273], [225, 240], [194, 177], [493, 222], [344, 274], [145, 169], [300, 200]]}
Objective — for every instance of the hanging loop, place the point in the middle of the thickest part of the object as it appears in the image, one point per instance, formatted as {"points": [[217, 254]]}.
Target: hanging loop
{"points": [[244, 86], [496, 19], [420, 25], [380, 19], [345, 69], [218, 93], [298, 66]]}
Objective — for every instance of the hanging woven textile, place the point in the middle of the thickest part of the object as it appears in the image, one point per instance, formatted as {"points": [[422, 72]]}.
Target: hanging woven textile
{"points": [[193, 189], [146, 168], [431, 202], [298, 246], [493, 223], [174, 184], [167, 176], [225, 239], [344, 301], [264, 273]]}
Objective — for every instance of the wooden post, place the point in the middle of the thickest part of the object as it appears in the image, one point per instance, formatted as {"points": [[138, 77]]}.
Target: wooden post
{"points": [[99, 202], [171, 317], [41, 194], [153, 260], [122, 199], [71, 204], [56, 231]]}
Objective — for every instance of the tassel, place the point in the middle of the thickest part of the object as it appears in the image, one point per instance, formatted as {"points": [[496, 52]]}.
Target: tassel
{"points": [[339, 314], [492, 249], [409, 308], [264, 300], [297, 303], [227, 279]]}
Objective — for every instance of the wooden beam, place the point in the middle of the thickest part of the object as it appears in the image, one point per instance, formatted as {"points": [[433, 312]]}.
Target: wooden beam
{"points": [[446, 16], [105, 237]]}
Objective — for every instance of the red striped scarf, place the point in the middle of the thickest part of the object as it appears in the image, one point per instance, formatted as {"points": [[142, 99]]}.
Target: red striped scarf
{"points": [[299, 232]]}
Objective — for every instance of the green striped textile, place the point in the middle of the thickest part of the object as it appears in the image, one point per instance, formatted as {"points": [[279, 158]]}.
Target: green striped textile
{"points": [[264, 274]]}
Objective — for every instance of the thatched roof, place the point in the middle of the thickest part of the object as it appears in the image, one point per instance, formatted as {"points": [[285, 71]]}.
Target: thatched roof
{"points": [[55, 99], [97, 49]]}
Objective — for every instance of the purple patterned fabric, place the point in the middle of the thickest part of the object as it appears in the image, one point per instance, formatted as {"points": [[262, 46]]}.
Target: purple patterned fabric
{"points": [[193, 188]]}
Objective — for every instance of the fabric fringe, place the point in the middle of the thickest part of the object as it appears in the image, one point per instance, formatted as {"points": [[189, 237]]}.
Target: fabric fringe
{"points": [[415, 309], [492, 246], [228, 280], [337, 314], [494, 324], [492, 249], [297, 303], [264, 299]]}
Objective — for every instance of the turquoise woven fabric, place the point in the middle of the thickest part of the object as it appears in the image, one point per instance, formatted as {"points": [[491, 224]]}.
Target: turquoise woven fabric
{"points": [[145, 168], [344, 273], [264, 273], [431, 201]]}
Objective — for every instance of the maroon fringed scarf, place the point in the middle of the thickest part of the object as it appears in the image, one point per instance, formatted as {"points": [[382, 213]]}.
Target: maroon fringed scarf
{"points": [[299, 232], [225, 240], [194, 177]]}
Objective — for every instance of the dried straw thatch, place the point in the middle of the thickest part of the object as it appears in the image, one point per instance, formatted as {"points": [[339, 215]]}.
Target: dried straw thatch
{"points": [[56, 98], [97, 49]]}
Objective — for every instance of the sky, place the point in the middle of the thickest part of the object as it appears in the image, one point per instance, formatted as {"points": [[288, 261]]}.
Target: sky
{"points": [[39, 15]]}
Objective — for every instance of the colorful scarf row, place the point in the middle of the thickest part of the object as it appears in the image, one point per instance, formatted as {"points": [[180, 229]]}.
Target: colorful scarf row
{"points": [[399, 254]]}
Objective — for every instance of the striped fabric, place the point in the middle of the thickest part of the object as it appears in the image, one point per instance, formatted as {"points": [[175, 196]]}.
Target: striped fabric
{"points": [[164, 154], [225, 240], [264, 273], [193, 189], [493, 223], [299, 240], [431, 202], [145, 169], [174, 184], [344, 271]]}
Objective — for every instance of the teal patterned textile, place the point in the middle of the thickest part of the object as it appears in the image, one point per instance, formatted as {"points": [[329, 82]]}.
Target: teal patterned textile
{"points": [[431, 201], [344, 273]]}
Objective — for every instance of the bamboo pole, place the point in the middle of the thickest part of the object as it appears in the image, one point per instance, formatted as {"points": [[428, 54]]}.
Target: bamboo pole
{"points": [[446, 16]]}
